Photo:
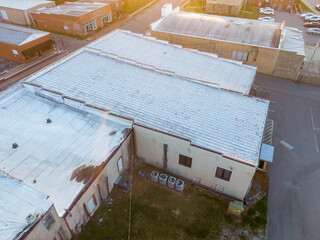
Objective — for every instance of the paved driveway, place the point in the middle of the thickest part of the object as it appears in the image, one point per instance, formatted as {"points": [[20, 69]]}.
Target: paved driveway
{"points": [[294, 176]]}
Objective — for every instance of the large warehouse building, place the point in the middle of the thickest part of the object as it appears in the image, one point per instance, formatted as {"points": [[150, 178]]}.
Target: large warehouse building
{"points": [[272, 47]]}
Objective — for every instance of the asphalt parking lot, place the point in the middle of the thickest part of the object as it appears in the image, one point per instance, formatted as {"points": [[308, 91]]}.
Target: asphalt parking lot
{"points": [[294, 20], [294, 175]]}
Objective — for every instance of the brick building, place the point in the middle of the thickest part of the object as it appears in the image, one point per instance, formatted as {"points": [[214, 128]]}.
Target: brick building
{"points": [[225, 7], [116, 6], [18, 11], [272, 47], [281, 5], [73, 18], [22, 44]]}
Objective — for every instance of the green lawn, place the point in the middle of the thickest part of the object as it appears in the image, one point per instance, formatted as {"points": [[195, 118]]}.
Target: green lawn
{"points": [[305, 8], [158, 213], [133, 5]]}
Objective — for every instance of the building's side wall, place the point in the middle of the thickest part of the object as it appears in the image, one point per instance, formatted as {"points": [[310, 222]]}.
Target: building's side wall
{"points": [[263, 58], [58, 227], [225, 9], [14, 16], [282, 5], [7, 52], [69, 24], [30, 10], [149, 148], [78, 215], [288, 64]]}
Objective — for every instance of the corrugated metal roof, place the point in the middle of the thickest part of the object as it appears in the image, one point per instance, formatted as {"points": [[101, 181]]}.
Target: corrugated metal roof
{"points": [[17, 201], [17, 35], [23, 4], [188, 63], [293, 41], [226, 2], [267, 152], [239, 30], [50, 153], [209, 117]]}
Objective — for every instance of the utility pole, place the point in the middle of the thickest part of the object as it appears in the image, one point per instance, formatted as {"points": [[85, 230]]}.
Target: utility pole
{"points": [[314, 52]]}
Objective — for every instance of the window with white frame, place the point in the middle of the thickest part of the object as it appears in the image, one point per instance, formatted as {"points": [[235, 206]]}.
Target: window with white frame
{"points": [[48, 221], [239, 56], [92, 204], [105, 19], [89, 26]]}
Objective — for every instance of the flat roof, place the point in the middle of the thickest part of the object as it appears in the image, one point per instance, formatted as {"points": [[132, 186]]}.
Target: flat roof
{"points": [[292, 41], [23, 4], [228, 74], [72, 8], [17, 35], [211, 118], [17, 201], [238, 30], [56, 158]]}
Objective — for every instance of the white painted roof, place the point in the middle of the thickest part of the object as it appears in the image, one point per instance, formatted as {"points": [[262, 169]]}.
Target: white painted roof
{"points": [[231, 29], [17, 201], [17, 35], [23, 4], [209, 117], [50, 153], [72, 8], [182, 62], [293, 41]]}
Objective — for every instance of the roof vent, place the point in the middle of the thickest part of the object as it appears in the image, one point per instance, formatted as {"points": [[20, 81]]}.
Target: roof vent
{"points": [[30, 218], [15, 145], [49, 120]]}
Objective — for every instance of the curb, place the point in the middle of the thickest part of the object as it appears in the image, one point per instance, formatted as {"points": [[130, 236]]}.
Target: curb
{"points": [[143, 8]]}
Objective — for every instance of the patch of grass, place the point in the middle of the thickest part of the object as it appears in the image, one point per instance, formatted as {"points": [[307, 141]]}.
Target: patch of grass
{"points": [[305, 8], [256, 216], [133, 5], [250, 12], [158, 213]]}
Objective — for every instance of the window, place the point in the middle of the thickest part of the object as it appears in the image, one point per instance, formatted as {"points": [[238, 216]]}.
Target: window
{"points": [[219, 52], [185, 161], [89, 26], [223, 174], [48, 221], [92, 204], [239, 56], [120, 165], [105, 19]]}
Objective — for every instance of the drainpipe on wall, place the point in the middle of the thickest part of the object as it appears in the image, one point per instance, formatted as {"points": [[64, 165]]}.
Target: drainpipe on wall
{"points": [[165, 157], [27, 17]]}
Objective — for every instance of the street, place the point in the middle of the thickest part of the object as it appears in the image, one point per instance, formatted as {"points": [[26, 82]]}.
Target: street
{"points": [[294, 175]]}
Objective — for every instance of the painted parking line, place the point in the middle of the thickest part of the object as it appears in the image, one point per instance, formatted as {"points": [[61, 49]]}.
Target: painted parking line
{"points": [[286, 144], [314, 130]]}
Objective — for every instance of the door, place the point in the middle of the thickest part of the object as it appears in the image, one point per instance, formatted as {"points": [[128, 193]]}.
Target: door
{"points": [[120, 165]]}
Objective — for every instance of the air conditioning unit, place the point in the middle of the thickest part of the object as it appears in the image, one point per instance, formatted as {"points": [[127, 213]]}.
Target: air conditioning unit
{"points": [[163, 179], [154, 176], [171, 182], [179, 185]]}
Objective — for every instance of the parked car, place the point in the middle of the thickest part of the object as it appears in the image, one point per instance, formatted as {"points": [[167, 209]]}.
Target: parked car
{"points": [[304, 15], [265, 11], [312, 24], [313, 19], [315, 31], [266, 19], [318, 7]]}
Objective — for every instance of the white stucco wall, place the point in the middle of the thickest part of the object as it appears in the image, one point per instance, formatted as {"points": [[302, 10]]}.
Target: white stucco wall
{"points": [[78, 217], [149, 147], [40, 232]]}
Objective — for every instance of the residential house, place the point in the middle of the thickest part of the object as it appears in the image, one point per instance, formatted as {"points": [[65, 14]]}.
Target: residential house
{"points": [[224, 7], [272, 47], [73, 18], [22, 44], [18, 11]]}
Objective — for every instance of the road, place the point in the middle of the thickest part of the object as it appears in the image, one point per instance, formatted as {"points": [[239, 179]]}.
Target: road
{"points": [[294, 176]]}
